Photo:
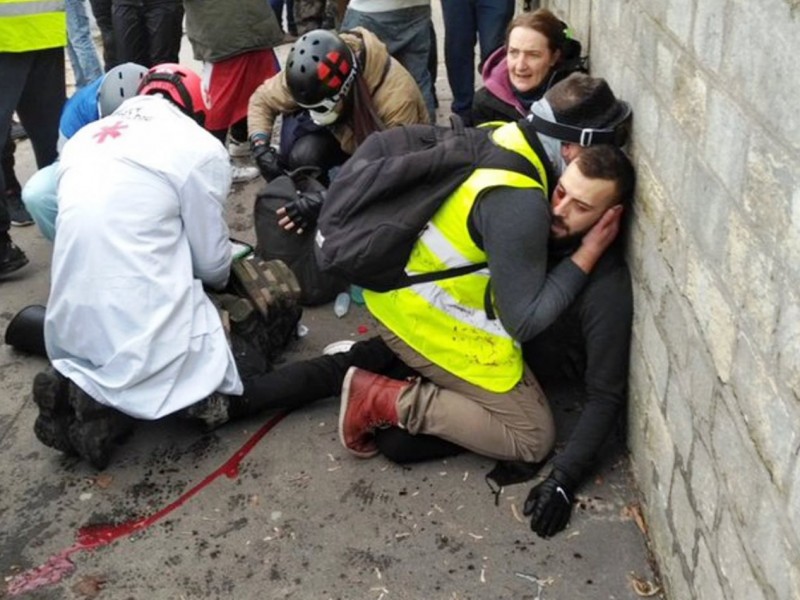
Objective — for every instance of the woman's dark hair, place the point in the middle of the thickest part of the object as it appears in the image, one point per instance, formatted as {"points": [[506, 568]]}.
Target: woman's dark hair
{"points": [[546, 23]]}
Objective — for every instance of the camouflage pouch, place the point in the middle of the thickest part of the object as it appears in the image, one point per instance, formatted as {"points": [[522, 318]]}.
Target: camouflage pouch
{"points": [[274, 292]]}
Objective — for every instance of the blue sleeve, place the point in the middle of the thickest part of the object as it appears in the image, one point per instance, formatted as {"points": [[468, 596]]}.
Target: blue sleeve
{"points": [[80, 109]]}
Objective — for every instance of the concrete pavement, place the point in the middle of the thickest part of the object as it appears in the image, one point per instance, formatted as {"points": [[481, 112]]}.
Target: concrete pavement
{"points": [[182, 514]]}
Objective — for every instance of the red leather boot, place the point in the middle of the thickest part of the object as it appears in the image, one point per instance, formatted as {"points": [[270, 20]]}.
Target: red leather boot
{"points": [[369, 401]]}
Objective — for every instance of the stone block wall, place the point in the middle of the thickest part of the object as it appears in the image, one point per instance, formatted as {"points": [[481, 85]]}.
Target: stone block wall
{"points": [[714, 413]]}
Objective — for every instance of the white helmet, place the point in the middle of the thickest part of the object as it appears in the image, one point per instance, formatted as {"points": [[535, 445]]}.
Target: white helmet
{"points": [[119, 84]]}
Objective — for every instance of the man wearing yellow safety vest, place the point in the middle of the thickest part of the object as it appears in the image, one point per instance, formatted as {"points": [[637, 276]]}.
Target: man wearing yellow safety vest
{"points": [[474, 388], [33, 34]]}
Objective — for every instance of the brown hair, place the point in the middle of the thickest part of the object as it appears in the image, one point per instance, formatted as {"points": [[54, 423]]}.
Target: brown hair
{"points": [[543, 21], [577, 90], [608, 162]]}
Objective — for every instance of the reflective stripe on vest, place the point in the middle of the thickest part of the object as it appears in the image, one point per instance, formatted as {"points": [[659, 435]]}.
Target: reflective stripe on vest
{"points": [[510, 137], [445, 320], [27, 25]]}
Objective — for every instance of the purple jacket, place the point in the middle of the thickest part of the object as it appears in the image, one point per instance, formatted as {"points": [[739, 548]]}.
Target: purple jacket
{"points": [[496, 81], [497, 100]]}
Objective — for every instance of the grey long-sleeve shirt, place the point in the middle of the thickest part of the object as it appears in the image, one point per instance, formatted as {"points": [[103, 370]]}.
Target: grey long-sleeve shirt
{"points": [[513, 226]]}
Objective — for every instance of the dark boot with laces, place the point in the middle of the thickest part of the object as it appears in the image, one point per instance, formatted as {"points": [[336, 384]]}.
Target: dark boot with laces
{"points": [[96, 428], [50, 394]]}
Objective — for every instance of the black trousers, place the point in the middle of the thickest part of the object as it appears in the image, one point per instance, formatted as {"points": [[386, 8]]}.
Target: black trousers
{"points": [[101, 9], [300, 383], [33, 84], [147, 32]]}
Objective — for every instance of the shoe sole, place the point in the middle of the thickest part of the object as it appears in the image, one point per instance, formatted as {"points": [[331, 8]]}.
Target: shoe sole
{"points": [[96, 428], [95, 439], [94, 447], [52, 424], [344, 401], [12, 266], [48, 396], [21, 223], [53, 434], [245, 178]]}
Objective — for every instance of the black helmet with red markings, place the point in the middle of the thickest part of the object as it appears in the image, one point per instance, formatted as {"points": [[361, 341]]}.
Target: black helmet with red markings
{"points": [[320, 71]]}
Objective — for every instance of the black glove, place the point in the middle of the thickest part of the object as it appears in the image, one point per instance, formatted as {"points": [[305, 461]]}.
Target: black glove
{"points": [[549, 504], [267, 161], [304, 211]]}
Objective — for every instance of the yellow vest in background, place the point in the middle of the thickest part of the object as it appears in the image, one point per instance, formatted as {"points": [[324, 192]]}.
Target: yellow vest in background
{"points": [[27, 25], [445, 320]]}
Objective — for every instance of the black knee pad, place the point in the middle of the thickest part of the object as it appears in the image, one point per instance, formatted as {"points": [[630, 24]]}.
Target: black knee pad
{"points": [[317, 149], [26, 330]]}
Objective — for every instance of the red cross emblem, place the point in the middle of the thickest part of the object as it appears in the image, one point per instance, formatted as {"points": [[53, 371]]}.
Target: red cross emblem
{"points": [[112, 131], [333, 70]]}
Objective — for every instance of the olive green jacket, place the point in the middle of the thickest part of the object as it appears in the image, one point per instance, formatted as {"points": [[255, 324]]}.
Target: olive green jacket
{"points": [[220, 29]]}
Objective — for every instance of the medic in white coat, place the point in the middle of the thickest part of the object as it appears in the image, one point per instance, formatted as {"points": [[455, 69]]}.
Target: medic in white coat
{"points": [[141, 230]]}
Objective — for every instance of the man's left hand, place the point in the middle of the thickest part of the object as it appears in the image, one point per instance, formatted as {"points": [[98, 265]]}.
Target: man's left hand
{"points": [[605, 231], [549, 505], [301, 214]]}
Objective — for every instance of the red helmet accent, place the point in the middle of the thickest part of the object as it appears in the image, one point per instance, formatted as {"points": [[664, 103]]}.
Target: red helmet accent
{"points": [[180, 84]]}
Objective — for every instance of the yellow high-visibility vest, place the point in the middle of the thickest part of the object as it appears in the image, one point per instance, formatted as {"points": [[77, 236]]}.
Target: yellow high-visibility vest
{"points": [[27, 25], [445, 320]]}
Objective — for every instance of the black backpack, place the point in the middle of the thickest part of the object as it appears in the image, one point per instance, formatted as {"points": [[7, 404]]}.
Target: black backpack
{"points": [[274, 242], [379, 203]]}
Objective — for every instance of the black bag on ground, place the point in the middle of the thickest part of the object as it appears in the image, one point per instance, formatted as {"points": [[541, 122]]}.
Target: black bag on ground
{"points": [[385, 194], [274, 242]]}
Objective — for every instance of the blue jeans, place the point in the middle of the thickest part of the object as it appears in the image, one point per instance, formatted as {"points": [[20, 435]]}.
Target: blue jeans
{"points": [[82, 53], [407, 35], [40, 196], [465, 22]]}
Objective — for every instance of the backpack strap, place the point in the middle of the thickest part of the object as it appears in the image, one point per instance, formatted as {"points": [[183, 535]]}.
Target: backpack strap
{"points": [[457, 124], [437, 275]]}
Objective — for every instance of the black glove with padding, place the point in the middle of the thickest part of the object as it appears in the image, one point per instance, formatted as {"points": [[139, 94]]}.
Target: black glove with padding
{"points": [[304, 211], [268, 161]]}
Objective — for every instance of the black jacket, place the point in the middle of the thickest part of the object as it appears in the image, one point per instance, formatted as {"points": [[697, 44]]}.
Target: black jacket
{"points": [[590, 341]]}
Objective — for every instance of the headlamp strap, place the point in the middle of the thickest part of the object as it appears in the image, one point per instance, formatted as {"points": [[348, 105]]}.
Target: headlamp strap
{"points": [[577, 135]]}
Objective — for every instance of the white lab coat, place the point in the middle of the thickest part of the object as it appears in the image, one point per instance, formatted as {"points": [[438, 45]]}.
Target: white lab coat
{"points": [[140, 228]]}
